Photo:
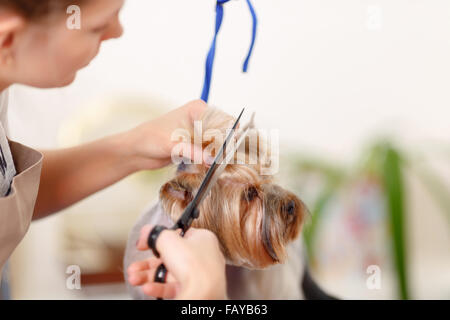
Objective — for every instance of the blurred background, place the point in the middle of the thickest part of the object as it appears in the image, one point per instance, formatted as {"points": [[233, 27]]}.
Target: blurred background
{"points": [[359, 90]]}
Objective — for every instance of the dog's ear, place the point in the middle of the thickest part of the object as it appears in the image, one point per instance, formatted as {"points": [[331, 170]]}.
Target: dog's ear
{"points": [[178, 194]]}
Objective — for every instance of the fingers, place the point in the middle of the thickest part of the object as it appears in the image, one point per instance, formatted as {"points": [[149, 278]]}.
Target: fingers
{"points": [[144, 265], [176, 252], [196, 109], [191, 260], [139, 278], [196, 154], [143, 237], [149, 287], [141, 272]]}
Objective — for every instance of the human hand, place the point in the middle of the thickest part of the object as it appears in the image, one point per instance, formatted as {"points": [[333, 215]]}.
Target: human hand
{"points": [[195, 264], [150, 144]]}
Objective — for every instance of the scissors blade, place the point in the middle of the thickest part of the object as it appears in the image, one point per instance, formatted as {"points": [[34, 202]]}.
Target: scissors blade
{"points": [[187, 216], [228, 158], [202, 191]]}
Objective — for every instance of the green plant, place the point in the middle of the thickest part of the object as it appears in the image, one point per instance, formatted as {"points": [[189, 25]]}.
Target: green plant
{"points": [[387, 164]]}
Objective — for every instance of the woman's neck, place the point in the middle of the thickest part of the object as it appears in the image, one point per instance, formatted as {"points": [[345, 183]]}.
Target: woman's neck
{"points": [[3, 86]]}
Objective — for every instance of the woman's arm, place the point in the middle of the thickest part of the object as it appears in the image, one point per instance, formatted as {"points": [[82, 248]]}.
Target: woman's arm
{"points": [[70, 175]]}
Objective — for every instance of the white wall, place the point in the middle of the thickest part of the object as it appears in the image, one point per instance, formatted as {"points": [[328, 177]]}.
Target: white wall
{"points": [[321, 72]]}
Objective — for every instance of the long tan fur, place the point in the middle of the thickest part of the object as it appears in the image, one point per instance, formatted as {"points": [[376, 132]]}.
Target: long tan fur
{"points": [[254, 218]]}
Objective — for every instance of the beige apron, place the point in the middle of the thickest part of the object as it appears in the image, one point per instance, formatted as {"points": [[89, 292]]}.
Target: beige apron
{"points": [[16, 210]]}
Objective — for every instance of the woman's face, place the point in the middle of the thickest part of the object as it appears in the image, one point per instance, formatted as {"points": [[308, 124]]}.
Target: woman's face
{"points": [[48, 54]]}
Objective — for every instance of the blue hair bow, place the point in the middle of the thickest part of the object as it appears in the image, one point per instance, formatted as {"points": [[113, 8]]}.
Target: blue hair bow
{"points": [[212, 50]]}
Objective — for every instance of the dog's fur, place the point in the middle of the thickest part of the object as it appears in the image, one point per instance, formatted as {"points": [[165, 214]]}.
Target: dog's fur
{"points": [[256, 221]]}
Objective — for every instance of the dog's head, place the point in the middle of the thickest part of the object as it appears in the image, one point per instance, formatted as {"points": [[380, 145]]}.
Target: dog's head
{"points": [[253, 218]]}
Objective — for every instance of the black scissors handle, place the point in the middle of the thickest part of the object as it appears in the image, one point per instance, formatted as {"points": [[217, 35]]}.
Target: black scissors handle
{"points": [[161, 271], [161, 274]]}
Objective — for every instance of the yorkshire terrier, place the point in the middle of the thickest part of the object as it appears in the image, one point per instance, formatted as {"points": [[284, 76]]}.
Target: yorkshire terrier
{"points": [[257, 222]]}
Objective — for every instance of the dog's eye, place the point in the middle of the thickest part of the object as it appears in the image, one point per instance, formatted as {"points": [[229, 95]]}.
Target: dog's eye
{"points": [[290, 208], [251, 193]]}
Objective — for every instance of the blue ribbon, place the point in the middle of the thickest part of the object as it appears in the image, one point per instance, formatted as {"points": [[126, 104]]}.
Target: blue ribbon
{"points": [[212, 50]]}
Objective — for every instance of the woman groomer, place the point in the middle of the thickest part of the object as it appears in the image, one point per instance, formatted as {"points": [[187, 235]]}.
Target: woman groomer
{"points": [[37, 49]]}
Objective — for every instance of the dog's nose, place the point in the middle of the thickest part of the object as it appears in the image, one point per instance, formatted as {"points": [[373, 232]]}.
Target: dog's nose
{"points": [[290, 207]]}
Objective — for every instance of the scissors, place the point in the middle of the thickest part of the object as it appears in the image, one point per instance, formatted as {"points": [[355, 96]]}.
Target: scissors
{"points": [[191, 212]]}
